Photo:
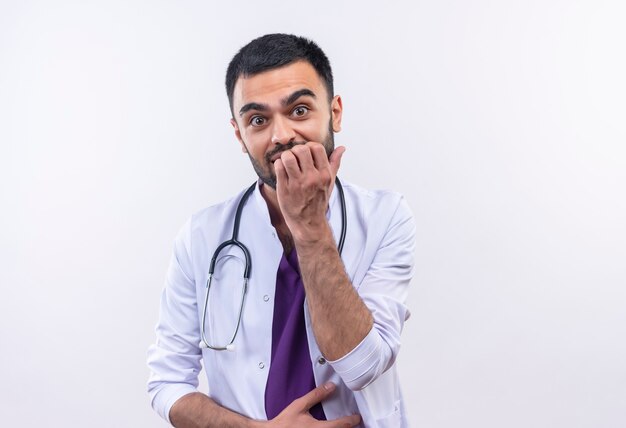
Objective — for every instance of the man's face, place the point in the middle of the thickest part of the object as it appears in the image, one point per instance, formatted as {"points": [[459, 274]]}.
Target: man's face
{"points": [[280, 108]]}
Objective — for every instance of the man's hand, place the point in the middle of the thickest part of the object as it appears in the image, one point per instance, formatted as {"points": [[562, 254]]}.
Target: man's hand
{"points": [[297, 413], [304, 182], [196, 410]]}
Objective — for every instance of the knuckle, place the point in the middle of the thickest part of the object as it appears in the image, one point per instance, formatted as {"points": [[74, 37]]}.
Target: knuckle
{"points": [[317, 148], [299, 149], [287, 158]]}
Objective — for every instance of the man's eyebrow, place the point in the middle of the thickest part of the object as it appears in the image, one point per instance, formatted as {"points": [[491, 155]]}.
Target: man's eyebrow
{"points": [[285, 102], [299, 93], [252, 106]]}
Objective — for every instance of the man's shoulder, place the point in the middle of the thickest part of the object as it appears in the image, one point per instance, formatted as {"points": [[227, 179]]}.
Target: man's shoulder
{"points": [[372, 199], [218, 209], [364, 192], [213, 216]]}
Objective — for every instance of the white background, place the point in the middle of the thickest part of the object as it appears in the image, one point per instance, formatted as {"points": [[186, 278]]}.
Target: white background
{"points": [[503, 123]]}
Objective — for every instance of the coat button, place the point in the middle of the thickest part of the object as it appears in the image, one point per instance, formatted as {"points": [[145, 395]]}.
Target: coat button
{"points": [[261, 365], [266, 298], [322, 360]]}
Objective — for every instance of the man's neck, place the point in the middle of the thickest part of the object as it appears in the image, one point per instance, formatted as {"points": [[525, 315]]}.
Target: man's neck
{"points": [[276, 217]]}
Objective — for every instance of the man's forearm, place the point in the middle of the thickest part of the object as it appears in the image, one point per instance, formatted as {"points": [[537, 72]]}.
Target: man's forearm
{"points": [[340, 318], [196, 410], [304, 180]]}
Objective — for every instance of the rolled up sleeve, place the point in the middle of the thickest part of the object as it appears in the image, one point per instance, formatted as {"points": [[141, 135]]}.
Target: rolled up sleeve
{"points": [[174, 360], [384, 290]]}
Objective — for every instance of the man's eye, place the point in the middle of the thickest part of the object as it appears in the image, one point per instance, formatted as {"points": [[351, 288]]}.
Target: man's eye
{"points": [[300, 111], [257, 121]]}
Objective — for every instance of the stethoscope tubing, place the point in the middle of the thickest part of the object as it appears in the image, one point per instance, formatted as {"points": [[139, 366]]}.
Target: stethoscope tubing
{"points": [[233, 241]]}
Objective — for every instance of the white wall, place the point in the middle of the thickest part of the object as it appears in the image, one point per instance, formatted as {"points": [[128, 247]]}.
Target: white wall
{"points": [[501, 122]]}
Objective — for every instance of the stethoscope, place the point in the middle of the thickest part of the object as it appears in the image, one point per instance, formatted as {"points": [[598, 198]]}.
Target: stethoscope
{"points": [[246, 272]]}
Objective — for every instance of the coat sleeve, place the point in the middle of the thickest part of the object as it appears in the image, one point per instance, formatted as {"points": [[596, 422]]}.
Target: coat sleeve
{"points": [[174, 360], [384, 289]]}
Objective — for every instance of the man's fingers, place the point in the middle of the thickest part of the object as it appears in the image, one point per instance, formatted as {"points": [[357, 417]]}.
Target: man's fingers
{"points": [[320, 157], [304, 157], [317, 395], [279, 169], [335, 159], [290, 163], [303, 404]]}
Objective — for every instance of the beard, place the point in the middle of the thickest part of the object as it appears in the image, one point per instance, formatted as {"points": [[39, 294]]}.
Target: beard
{"points": [[264, 168]]}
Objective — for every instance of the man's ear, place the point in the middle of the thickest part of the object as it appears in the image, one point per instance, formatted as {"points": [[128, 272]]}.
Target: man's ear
{"points": [[336, 110], [238, 135]]}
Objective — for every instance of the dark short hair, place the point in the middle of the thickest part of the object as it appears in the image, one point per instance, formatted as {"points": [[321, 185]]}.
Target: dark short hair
{"points": [[274, 51]]}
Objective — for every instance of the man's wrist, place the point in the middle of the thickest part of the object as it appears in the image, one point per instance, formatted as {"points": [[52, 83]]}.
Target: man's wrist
{"points": [[312, 238], [252, 423]]}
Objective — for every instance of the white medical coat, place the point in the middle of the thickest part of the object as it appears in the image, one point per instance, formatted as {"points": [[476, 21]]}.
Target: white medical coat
{"points": [[378, 258]]}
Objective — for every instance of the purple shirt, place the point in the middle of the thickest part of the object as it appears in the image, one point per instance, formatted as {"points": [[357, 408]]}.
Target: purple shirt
{"points": [[291, 371]]}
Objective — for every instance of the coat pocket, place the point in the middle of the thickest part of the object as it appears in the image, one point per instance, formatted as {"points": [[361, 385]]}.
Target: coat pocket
{"points": [[392, 420]]}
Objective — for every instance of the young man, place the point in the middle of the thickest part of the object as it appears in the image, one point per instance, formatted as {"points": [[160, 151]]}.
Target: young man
{"points": [[317, 330]]}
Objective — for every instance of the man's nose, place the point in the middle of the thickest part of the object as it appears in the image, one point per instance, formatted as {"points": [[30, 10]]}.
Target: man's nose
{"points": [[282, 132]]}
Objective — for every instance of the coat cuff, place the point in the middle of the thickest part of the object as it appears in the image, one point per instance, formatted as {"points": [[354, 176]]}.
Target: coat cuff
{"points": [[166, 397], [364, 363]]}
